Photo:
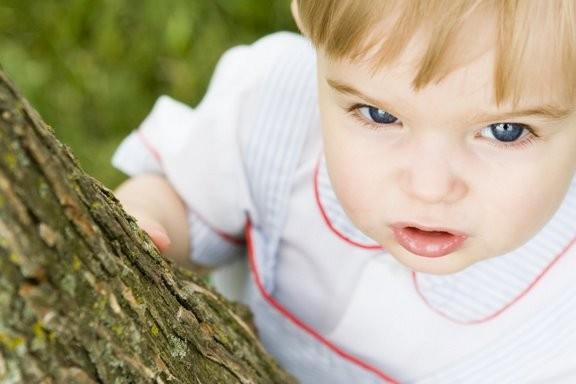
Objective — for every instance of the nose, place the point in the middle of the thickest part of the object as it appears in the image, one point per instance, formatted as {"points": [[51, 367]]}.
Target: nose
{"points": [[431, 176]]}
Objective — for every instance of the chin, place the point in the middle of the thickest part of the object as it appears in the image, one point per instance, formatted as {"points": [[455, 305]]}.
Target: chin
{"points": [[445, 265]]}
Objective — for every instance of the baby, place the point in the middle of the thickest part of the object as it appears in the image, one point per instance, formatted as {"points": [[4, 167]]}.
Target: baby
{"points": [[402, 179]]}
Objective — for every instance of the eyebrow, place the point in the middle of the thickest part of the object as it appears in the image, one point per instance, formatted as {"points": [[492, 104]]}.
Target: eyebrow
{"points": [[349, 90], [546, 111]]}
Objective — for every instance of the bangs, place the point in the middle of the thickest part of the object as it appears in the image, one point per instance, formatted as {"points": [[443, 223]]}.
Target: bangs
{"points": [[534, 40]]}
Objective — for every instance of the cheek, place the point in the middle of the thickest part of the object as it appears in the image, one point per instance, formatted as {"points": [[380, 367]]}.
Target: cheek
{"points": [[357, 188], [520, 207], [343, 160], [346, 157], [349, 179]]}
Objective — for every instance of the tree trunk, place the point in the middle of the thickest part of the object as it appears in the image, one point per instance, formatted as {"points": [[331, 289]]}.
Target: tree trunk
{"points": [[84, 295]]}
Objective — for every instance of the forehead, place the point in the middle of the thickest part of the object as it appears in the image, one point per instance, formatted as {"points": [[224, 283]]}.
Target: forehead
{"points": [[464, 97], [468, 78], [390, 88]]}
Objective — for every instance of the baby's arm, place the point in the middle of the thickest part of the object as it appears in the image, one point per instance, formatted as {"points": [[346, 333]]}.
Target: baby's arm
{"points": [[160, 212]]}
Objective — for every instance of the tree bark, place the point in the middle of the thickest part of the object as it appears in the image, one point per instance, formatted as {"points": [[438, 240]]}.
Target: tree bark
{"points": [[84, 295]]}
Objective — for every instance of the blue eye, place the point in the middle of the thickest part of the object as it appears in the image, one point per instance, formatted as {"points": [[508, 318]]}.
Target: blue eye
{"points": [[505, 132], [378, 116]]}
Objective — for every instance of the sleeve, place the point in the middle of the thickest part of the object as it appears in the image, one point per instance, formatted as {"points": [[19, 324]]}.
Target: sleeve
{"points": [[199, 151]]}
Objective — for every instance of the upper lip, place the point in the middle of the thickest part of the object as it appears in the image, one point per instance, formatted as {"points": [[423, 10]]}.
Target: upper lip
{"points": [[404, 224]]}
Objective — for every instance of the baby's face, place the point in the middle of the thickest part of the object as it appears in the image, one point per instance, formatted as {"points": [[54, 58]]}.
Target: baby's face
{"points": [[443, 157]]}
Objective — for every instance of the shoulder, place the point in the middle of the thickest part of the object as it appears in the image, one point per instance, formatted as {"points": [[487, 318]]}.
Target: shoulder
{"points": [[280, 110], [284, 51], [278, 55], [271, 48], [271, 77], [283, 44]]}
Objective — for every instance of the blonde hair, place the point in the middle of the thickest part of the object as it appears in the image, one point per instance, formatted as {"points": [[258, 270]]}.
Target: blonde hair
{"points": [[347, 29]]}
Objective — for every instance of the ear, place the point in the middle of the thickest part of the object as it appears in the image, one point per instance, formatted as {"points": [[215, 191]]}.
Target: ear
{"points": [[296, 15]]}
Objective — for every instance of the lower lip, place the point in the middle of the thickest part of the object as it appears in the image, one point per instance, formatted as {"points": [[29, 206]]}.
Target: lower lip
{"points": [[428, 243]]}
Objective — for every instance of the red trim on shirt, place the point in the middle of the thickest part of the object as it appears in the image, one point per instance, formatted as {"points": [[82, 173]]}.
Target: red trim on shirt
{"points": [[150, 147], [225, 236], [222, 234], [505, 307], [329, 222], [299, 323]]}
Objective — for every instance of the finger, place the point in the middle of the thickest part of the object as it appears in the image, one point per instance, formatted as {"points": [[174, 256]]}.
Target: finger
{"points": [[160, 239]]}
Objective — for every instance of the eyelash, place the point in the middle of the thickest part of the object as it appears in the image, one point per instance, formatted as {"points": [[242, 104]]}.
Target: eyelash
{"points": [[354, 111]]}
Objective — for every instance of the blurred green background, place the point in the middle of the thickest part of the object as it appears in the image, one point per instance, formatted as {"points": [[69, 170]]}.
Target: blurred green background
{"points": [[93, 68]]}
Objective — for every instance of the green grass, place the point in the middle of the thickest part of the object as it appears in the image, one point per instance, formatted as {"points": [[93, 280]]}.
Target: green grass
{"points": [[93, 68]]}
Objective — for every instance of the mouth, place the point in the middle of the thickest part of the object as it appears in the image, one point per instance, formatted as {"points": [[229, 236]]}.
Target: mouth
{"points": [[427, 241]]}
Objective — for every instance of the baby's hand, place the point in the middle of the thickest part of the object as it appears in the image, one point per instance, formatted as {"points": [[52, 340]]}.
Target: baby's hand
{"points": [[154, 229], [160, 212]]}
